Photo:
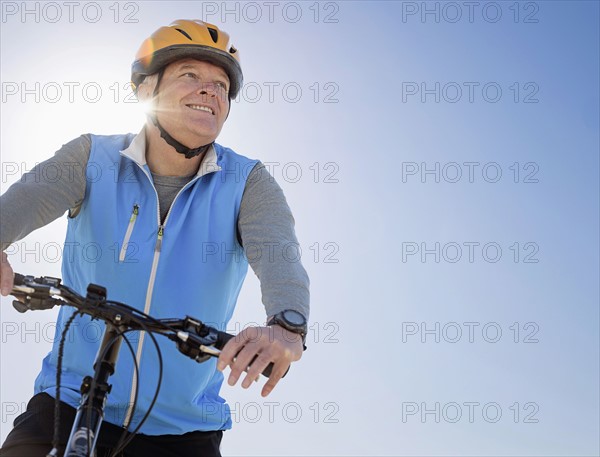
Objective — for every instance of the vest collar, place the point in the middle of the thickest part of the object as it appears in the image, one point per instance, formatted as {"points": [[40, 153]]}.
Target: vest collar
{"points": [[136, 151]]}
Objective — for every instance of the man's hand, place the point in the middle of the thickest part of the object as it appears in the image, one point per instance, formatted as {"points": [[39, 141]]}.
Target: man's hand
{"points": [[7, 276], [269, 344]]}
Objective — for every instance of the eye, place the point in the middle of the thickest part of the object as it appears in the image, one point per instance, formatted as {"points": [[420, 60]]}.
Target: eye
{"points": [[221, 85], [190, 75]]}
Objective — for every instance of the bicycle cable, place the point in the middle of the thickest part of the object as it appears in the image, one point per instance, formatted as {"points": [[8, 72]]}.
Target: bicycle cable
{"points": [[61, 348], [125, 440], [73, 297]]}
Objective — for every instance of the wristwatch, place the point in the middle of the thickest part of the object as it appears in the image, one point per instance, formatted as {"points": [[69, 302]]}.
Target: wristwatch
{"points": [[293, 321]]}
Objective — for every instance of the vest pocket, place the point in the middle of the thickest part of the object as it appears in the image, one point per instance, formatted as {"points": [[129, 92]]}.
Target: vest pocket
{"points": [[132, 219]]}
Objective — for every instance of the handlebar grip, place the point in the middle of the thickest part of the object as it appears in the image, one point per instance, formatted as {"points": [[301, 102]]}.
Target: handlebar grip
{"points": [[19, 279], [223, 338]]}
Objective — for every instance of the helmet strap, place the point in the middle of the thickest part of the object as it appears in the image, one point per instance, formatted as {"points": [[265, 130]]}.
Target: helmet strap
{"points": [[180, 148]]}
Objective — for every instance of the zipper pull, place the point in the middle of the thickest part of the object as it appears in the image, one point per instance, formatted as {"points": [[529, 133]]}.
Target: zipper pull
{"points": [[134, 215], [161, 231]]}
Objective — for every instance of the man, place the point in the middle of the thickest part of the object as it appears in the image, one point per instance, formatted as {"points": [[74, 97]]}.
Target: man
{"points": [[171, 215]]}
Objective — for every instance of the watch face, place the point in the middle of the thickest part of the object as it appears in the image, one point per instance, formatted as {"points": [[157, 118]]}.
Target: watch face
{"points": [[294, 317]]}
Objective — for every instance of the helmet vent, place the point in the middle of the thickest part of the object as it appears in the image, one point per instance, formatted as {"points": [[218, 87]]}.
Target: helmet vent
{"points": [[213, 34], [232, 50], [184, 33]]}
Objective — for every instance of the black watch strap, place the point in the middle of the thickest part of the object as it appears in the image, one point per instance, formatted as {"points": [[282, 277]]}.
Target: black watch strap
{"points": [[292, 321]]}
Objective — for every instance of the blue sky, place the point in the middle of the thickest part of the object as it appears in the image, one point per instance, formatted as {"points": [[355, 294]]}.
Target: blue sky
{"points": [[443, 174]]}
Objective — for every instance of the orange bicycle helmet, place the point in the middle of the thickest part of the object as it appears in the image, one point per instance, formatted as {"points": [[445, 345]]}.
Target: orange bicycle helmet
{"points": [[188, 39]]}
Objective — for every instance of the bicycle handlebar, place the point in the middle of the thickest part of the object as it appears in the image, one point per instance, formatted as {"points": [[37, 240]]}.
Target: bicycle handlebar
{"points": [[192, 337]]}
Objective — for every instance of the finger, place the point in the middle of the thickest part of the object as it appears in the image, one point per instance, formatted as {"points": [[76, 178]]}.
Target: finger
{"points": [[242, 362], [279, 369], [226, 355], [6, 276], [230, 350], [257, 366]]}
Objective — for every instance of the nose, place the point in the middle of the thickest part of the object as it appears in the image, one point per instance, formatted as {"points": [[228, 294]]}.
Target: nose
{"points": [[212, 91], [205, 93], [208, 89]]}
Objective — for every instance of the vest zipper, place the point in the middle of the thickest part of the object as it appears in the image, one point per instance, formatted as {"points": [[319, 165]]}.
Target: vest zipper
{"points": [[132, 219], [150, 289], [138, 356]]}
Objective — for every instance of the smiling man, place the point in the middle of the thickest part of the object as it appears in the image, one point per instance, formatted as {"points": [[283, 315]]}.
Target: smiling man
{"points": [[174, 214]]}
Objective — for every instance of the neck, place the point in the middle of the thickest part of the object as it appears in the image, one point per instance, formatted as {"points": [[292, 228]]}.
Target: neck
{"points": [[164, 160]]}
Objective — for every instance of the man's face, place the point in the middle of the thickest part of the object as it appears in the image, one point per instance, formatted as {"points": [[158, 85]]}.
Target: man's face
{"points": [[193, 101]]}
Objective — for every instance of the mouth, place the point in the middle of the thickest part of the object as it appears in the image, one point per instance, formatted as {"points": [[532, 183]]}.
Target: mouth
{"points": [[204, 108]]}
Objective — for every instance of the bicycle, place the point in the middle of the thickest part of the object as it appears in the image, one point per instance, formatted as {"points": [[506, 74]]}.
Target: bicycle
{"points": [[192, 338]]}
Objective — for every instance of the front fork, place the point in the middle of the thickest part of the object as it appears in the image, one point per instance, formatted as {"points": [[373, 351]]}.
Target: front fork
{"points": [[90, 412]]}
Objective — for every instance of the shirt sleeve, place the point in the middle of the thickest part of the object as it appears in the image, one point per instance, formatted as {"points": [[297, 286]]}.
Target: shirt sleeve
{"points": [[266, 228], [46, 192]]}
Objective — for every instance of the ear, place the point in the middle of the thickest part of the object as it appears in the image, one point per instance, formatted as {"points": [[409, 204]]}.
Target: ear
{"points": [[145, 89], [228, 107]]}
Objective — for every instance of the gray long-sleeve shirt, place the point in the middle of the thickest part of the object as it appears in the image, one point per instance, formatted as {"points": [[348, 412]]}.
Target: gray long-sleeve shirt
{"points": [[58, 185]]}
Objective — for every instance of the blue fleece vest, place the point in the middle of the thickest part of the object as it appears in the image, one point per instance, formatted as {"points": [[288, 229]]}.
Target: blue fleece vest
{"points": [[193, 266]]}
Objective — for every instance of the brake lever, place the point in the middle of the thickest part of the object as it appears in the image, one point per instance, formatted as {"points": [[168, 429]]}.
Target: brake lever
{"points": [[34, 304]]}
